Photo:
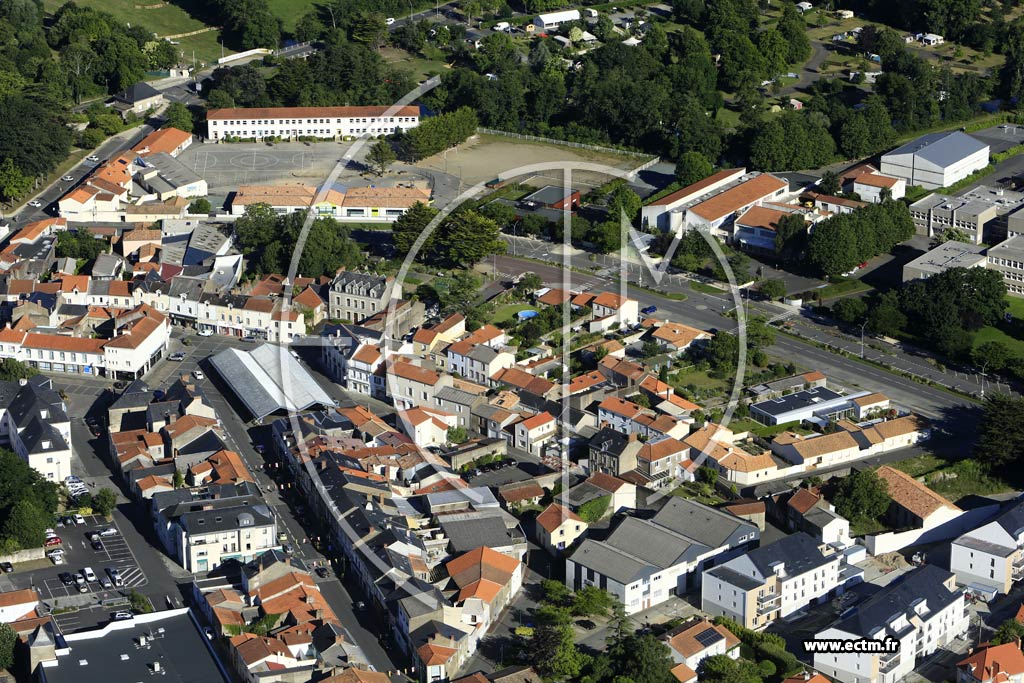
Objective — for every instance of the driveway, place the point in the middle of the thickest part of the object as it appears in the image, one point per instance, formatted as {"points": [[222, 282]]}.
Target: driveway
{"points": [[809, 72]]}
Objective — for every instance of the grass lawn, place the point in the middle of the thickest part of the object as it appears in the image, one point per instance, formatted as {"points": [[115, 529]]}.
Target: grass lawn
{"points": [[702, 493], [698, 379], [508, 312], [727, 117], [956, 488], [1016, 306], [842, 288], [164, 19], [865, 527], [420, 67], [920, 465], [987, 334]]}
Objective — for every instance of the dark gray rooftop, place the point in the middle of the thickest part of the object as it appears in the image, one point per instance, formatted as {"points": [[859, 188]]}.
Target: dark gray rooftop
{"points": [[924, 583], [735, 578], [799, 553], [706, 525], [172, 640], [795, 401], [609, 561]]}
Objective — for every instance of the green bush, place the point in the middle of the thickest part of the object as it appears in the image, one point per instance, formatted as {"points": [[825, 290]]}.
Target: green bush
{"points": [[593, 510]]}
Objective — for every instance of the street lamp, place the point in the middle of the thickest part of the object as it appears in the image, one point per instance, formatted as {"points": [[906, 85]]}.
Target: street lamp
{"points": [[862, 338]]}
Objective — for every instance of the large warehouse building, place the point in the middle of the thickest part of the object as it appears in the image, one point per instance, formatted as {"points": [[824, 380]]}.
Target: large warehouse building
{"points": [[936, 160], [269, 380]]}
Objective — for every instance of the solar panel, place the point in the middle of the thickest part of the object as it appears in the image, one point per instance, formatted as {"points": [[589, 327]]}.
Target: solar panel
{"points": [[708, 637]]}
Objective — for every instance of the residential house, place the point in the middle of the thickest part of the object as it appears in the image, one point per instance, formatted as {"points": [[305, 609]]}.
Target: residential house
{"points": [[914, 505], [992, 663], [137, 99], [357, 296], [533, 433], [558, 528], [696, 640]]}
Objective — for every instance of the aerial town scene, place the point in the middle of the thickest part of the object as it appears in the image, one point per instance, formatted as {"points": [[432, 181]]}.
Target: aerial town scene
{"points": [[512, 341]]}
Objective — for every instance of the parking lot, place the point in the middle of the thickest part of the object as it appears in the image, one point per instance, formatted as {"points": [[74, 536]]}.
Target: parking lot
{"points": [[78, 554], [226, 166]]}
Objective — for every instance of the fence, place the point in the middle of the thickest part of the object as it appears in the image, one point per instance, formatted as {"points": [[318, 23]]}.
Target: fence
{"points": [[243, 55], [24, 555]]}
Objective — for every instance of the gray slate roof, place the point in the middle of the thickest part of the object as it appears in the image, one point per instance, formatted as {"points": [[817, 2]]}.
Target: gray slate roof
{"points": [[609, 561], [268, 379]]}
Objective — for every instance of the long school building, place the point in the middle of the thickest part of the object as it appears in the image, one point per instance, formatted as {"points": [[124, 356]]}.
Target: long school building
{"points": [[319, 122]]}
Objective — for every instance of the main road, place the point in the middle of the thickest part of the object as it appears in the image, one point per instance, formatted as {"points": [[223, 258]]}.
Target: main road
{"points": [[709, 311]]}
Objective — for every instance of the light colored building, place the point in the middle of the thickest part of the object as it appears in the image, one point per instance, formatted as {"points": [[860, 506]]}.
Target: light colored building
{"points": [[170, 141], [552, 20], [936, 159], [357, 296], [937, 212], [872, 187], [1008, 259], [365, 204], [34, 423], [991, 557], [137, 99], [644, 562], [819, 404], [755, 230], [242, 530], [992, 664], [534, 432], [317, 122], [696, 640], [668, 212], [772, 581], [558, 528], [923, 613], [943, 257], [410, 385]]}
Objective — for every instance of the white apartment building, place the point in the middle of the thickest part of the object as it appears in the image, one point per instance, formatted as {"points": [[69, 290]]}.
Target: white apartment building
{"points": [[923, 611], [319, 122], [991, 557], [34, 423], [772, 581]]}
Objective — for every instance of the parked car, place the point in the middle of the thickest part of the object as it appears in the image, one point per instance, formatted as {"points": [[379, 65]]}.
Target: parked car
{"points": [[205, 332], [97, 545], [198, 374], [50, 542], [109, 531], [56, 556], [105, 582], [649, 310], [89, 574], [115, 576], [122, 616], [68, 178], [288, 548], [321, 572], [35, 204], [209, 632], [249, 338], [177, 355], [79, 519], [7, 567], [389, 21], [94, 426], [66, 578], [79, 578]]}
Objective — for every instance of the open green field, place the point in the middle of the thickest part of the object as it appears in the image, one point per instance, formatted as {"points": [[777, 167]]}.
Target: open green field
{"points": [[509, 311], [162, 18], [994, 334], [1016, 306], [420, 67]]}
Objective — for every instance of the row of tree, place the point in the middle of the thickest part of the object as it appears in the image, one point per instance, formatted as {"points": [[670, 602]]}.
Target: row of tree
{"points": [[463, 238], [438, 133], [839, 243]]}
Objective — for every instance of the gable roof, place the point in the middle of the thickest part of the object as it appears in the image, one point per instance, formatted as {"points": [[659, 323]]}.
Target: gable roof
{"points": [[737, 197], [912, 494], [993, 661], [554, 515]]}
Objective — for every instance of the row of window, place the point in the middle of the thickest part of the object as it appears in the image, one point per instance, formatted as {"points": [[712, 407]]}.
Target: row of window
{"points": [[292, 122]]}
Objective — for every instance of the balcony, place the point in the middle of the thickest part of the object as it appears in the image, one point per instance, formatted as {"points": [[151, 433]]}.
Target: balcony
{"points": [[1018, 569], [888, 662], [768, 602]]}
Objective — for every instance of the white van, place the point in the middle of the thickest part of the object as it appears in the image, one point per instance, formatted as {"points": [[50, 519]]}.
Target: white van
{"points": [[502, 26], [89, 574]]}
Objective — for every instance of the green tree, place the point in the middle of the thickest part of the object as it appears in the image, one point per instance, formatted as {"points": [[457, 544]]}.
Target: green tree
{"points": [[552, 649], [466, 237], [774, 50], [457, 435], [723, 351], [13, 183], [200, 205], [642, 658], [380, 156], [12, 370], [723, 669], [790, 237], [606, 236], [773, 289], [692, 167], [850, 310], [590, 601], [178, 116], [104, 502], [829, 183], [885, 316], [1010, 631], [595, 509], [179, 479], [26, 524], [1001, 435], [79, 244], [794, 30], [624, 200], [951, 234], [992, 356], [862, 495], [457, 293], [408, 227], [555, 592], [8, 641]]}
